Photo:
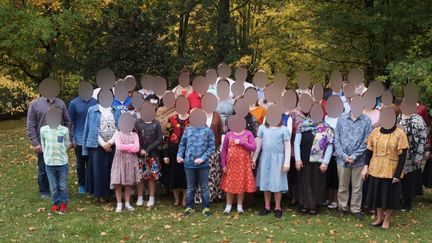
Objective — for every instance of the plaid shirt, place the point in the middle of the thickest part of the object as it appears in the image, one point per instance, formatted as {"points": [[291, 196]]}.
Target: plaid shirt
{"points": [[54, 144]]}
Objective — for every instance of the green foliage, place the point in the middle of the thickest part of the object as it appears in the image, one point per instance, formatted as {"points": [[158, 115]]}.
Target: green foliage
{"points": [[15, 96]]}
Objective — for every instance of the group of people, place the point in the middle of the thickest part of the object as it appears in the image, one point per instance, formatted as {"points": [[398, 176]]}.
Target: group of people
{"points": [[348, 161]]}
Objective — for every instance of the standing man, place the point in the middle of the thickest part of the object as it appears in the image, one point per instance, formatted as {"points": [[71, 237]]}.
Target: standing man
{"points": [[48, 89], [351, 134], [78, 108]]}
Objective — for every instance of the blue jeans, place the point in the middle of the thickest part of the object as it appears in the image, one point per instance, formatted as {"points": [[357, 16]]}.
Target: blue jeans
{"points": [[192, 177], [81, 165], [42, 178], [57, 177]]}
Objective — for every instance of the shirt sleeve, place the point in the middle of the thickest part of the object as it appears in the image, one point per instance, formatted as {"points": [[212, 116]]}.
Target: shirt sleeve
{"points": [[72, 113], [370, 140], [338, 143], [182, 144], [224, 150], [250, 144], [328, 153], [260, 132], [158, 141], [210, 146], [67, 138], [85, 135], [422, 140], [67, 121], [403, 142], [363, 145], [297, 142], [286, 134], [42, 138], [32, 123]]}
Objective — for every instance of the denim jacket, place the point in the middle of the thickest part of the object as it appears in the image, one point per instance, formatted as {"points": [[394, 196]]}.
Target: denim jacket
{"points": [[91, 128]]}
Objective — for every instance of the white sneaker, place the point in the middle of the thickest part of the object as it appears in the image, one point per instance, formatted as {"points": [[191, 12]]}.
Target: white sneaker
{"points": [[140, 202], [129, 208], [150, 203], [333, 205], [119, 209]]}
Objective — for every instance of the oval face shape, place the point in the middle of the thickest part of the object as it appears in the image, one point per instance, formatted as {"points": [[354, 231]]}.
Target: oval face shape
{"points": [[280, 80], [356, 76], [105, 78], [130, 82], [184, 79], [182, 105], [137, 101], [317, 113], [240, 74], [334, 106], [200, 85], [407, 108], [336, 81], [169, 99], [273, 116], [369, 100], [126, 122], [85, 90], [159, 86], [387, 98], [251, 96], [148, 112], [305, 103], [223, 89], [241, 107], [198, 118], [303, 80], [317, 92], [147, 81], [288, 101], [376, 88], [236, 123], [273, 93], [105, 98], [211, 76], [121, 91], [411, 93], [224, 71], [237, 89], [53, 117], [357, 105], [260, 79], [49, 88], [388, 117], [209, 102], [348, 90]]}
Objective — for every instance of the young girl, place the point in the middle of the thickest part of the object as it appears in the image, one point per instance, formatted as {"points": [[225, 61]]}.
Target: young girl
{"points": [[176, 178], [274, 164], [236, 163], [125, 171], [150, 137]]}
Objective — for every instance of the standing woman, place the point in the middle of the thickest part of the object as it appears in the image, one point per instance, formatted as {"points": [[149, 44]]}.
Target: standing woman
{"points": [[313, 148], [176, 177], [99, 129], [386, 153], [416, 132]]}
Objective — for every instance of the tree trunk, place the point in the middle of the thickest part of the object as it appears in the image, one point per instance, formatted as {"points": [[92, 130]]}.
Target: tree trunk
{"points": [[223, 30], [183, 31]]}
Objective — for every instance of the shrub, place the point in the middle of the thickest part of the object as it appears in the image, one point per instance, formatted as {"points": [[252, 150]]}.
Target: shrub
{"points": [[14, 96]]}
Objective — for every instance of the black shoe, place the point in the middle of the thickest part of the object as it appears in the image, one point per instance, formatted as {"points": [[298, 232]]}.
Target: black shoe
{"points": [[340, 213], [264, 212], [358, 216], [278, 213]]}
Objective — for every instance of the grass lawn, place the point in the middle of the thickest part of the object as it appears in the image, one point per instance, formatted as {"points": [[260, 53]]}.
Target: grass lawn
{"points": [[24, 216]]}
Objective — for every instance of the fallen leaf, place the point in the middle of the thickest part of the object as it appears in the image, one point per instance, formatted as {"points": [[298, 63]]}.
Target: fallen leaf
{"points": [[167, 226], [103, 233], [41, 210], [32, 228]]}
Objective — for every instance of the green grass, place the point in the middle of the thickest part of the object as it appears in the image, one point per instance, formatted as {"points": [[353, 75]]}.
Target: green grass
{"points": [[24, 216]]}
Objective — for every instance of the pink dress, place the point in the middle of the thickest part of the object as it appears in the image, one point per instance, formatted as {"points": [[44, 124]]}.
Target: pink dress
{"points": [[125, 169]]}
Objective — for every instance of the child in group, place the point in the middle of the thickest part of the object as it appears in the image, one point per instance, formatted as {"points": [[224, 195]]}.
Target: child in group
{"points": [[150, 137], [274, 164], [125, 170], [195, 149], [236, 163], [54, 144]]}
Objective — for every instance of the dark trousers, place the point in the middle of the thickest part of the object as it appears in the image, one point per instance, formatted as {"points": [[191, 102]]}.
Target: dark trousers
{"points": [[42, 178], [81, 165]]}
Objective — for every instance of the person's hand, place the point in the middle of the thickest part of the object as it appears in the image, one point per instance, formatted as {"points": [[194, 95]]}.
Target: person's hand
{"points": [[323, 167], [107, 147], [364, 173], [166, 160], [237, 141], [198, 161], [180, 160], [427, 155], [417, 162], [143, 153], [225, 170], [37, 149], [299, 165], [349, 160], [109, 150], [253, 165], [395, 180], [286, 167]]}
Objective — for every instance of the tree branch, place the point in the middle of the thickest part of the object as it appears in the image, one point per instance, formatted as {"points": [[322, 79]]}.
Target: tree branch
{"points": [[241, 5]]}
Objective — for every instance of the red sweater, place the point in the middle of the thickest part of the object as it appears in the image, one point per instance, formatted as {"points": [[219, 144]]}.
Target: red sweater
{"points": [[194, 100]]}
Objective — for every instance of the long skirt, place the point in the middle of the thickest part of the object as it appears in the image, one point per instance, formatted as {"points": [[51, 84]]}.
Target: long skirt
{"points": [[383, 194], [412, 185], [215, 179], [175, 177], [310, 186], [427, 174], [332, 175], [99, 172]]}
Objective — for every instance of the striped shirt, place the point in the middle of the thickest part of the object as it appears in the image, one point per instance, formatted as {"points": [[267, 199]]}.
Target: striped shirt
{"points": [[54, 142]]}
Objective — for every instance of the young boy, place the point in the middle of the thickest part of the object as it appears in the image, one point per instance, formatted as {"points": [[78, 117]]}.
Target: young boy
{"points": [[55, 142], [195, 149]]}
